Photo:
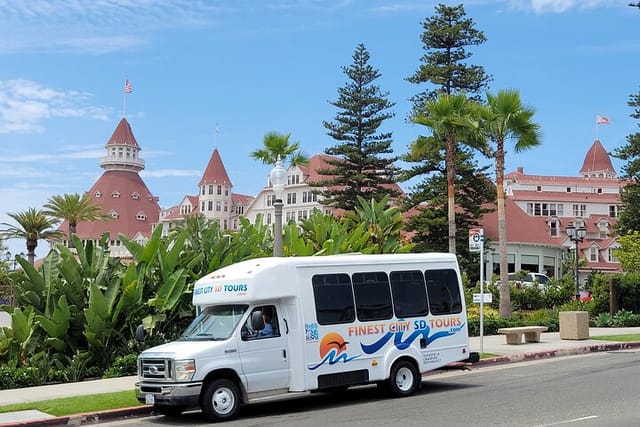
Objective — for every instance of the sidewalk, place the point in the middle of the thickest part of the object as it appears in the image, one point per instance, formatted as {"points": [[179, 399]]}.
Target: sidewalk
{"points": [[550, 345]]}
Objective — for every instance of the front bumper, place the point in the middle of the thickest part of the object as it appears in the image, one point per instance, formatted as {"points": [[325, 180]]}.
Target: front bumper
{"points": [[172, 394]]}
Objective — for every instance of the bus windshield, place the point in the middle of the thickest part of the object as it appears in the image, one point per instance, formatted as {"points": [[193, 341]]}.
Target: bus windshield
{"points": [[214, 323]]}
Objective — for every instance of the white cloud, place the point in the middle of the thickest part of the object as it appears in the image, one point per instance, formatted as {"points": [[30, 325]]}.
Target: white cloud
{"points": [[164, 173], [25, 105], [95, 26], [560, 6]]}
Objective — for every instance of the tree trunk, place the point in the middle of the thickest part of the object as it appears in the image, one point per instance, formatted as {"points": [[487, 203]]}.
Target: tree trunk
{"points": [[451, 198], [31, 250], [505, 297]]}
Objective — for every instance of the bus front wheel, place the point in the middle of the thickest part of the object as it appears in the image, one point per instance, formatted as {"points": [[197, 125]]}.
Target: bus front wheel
{"points": [[221, 400]]}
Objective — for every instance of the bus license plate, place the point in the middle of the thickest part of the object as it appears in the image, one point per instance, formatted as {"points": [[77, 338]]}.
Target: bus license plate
{"points": [[149, 399]]}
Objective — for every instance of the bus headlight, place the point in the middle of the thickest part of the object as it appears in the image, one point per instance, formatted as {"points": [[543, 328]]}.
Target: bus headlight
{"points": [[184, 369]]}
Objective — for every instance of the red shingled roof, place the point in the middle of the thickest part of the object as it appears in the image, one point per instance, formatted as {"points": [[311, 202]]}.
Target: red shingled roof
{"points": [[215, 173], [597, 159], [123, 135], [127, 206]]}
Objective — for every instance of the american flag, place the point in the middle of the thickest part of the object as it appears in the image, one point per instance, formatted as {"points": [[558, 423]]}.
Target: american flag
{"points": [[127, 87], [602, 120]]}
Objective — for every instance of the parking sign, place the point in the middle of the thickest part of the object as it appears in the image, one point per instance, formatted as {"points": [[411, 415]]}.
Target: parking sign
{"points": [[476, 236]]}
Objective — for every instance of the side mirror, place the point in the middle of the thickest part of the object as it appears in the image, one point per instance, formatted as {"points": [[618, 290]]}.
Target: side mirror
{"points": [[140, 333], [257, 322]]}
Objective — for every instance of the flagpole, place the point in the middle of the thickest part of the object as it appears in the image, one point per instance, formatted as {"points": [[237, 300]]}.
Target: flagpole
{"points": [[124, 100], [596, 127]]}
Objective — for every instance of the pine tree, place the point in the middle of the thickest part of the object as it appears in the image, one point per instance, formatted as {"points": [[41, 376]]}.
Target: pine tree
{"points": [[358, 167], [445, 67], [629, 219], [446, 37]]}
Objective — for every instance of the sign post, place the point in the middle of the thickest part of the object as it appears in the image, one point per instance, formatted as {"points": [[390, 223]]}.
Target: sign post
{"points": [[476, 244]]}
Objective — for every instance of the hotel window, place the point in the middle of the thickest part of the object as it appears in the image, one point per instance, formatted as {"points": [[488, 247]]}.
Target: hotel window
{"points": [[291, 198], [141, 216], [568, 189], [593, 253], [611, 253], [210, 205], [270, 199], [269, 218], [218, 206], [293, 179], [539, 188], [226, 190], [309, 196], [219, 190], [98, 194], [201, 206], [135, 195], [553, 226], [115, 194], [225, 224], [226, 207], [204, 190], [211, 189], [579, 210], [613, 211]]}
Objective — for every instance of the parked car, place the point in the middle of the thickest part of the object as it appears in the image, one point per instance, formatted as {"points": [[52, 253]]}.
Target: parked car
{"points": [[541, 280]]}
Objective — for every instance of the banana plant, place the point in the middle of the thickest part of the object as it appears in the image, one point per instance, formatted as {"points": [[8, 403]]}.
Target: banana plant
{"points": [[56, 325]]}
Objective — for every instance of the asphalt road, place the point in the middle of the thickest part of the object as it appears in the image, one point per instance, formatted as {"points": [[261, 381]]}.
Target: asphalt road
{"points": [[600, 389]]}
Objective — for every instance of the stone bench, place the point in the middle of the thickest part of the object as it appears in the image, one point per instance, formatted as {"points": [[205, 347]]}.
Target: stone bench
{"points": [[514, 335]]}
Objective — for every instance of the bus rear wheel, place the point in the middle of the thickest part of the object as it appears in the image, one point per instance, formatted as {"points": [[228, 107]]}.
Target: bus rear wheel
{"points": [[404, 379]]}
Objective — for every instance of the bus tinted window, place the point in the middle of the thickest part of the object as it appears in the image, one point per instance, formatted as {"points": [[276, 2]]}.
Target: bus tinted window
{"points": [[443, 291], [334, 298], [409, 293], [373, 296]]}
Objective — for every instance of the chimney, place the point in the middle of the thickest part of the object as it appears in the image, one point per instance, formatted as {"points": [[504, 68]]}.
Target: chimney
{"points": [[520, 169]]}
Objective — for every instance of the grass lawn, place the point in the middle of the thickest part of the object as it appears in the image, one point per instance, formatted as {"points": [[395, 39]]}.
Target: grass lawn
{"points": [[488, 355], [78, 405], [619, 338]]}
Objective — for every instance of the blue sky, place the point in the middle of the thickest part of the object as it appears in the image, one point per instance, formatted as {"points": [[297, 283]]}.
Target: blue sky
{"points": [[250, 67]]}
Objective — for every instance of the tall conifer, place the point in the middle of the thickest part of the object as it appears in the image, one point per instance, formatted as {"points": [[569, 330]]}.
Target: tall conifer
{"points": [[360, 167]]}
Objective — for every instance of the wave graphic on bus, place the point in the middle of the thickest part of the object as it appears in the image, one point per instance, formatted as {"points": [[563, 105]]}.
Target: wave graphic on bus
{"points": [[333, 349], [403, 344]]}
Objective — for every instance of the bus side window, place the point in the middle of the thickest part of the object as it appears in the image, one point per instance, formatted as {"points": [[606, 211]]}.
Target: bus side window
{"points": [[333, 297], [409, 293], [444, 291]]}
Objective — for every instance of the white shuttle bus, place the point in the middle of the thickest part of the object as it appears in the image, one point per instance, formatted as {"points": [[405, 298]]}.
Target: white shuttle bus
{"points": [[271, 326]]}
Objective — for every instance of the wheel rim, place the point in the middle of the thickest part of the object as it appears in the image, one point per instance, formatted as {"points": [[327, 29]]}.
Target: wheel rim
{"points": [[223, 400], [404, 379]]}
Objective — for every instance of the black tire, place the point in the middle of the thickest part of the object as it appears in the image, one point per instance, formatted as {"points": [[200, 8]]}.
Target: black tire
{"points": [[221, 400], [404, 379], [170, 411]]}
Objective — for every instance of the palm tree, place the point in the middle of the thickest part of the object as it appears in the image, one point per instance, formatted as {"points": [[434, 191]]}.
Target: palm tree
{"points": [[33, 225], [453, 120], [277, 146], [504, 118], [74, 209]]}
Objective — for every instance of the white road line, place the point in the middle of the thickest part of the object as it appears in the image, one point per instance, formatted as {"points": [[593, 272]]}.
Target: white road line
{"points": [[574, 420]]}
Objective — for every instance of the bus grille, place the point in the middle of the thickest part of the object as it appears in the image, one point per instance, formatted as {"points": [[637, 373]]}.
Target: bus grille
{"points": [[155, 369]]}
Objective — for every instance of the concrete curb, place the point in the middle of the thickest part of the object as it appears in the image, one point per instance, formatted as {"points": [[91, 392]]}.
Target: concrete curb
{"points": [[100, 416], [524, 357], [86, 418]]}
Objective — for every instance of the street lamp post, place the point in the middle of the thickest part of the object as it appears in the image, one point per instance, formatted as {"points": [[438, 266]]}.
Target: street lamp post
{"points": [[576, 235], [278, 177]]}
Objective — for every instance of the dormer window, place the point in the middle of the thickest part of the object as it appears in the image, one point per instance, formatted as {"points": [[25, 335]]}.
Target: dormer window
{"points": [[554, 226], [98, 193], [603, 227], [113, 214], [115, 194], [135, 195], [141, 216], [539, 188]]}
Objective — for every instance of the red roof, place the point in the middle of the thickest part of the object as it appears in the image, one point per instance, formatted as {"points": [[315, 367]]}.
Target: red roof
{"points": [[124, 193], [123, 135], [215, 173], [597, 160], [557, 196]]}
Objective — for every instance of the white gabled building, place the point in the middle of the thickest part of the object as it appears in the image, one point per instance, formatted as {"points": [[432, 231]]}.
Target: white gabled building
{"points": [[539, 209], [215, 200]]}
